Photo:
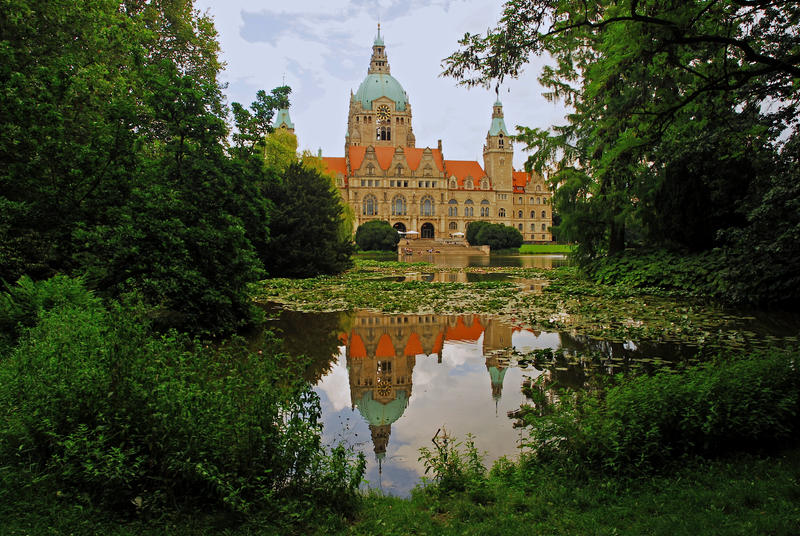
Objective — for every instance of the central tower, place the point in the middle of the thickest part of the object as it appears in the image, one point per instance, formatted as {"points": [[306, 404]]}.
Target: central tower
{"points": [[380, 113]]}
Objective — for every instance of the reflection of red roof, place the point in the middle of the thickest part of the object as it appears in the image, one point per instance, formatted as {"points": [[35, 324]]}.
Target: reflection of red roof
{"points": [[413, 346], [520, 180], [385, 347], [438, 344], [462, 332], [357, 348], [461, 169], [335, 165], [343, 338], [385, 155]]}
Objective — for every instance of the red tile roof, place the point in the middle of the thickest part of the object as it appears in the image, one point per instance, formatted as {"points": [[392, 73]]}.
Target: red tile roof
{"points": [[385, 347], [385, 155], [520, 180], [413, 346], [335, 164], [462, 332], [357, 348], [461, 169]]}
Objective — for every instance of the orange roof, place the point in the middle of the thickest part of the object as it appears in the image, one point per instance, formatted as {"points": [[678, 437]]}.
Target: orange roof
{"points": [[335, 164], [357, 348], [413, 156], [520, 180], [461, 169], [413, 346], [461, 332], [357, 153], [438, 344], [385, 347]]}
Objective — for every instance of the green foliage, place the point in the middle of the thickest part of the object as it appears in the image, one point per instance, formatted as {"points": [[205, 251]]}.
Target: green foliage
{"points": [[94, 404], [305, 227], [453, 470], [546, 248], [498, 236], [473, 229], [377, 235], [646, 423]]}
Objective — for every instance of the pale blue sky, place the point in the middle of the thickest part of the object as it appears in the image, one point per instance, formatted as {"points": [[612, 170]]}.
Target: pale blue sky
{"points": [[323, 48]]}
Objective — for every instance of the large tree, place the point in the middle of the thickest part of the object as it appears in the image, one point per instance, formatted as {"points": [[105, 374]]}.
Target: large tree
{"points": [[650, 84]]}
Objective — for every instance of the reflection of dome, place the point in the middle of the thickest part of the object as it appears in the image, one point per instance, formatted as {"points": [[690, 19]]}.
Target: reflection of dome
{"points": [[381, 85], [496, 375], [378, 414]]}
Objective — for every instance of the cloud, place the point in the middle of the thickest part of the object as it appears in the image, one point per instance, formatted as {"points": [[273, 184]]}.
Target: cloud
{"points": [[322, 47]]}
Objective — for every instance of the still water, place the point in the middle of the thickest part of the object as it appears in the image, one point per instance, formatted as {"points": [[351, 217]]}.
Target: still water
{"points": [[387, 383]]}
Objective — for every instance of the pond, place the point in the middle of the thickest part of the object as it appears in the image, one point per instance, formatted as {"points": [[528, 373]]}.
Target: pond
{"points": [[387, 383], [461, 260]]}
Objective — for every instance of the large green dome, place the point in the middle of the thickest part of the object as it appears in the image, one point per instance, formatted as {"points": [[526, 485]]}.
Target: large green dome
{"points": [[381, 85], [378, 414]]}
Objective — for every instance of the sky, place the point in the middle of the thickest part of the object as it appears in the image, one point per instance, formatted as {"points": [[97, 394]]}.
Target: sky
{"points": [[323, 47]]}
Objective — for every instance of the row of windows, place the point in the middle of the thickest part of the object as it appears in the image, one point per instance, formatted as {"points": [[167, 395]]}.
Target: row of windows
{"points": [[453, 226], [368, 119], [426, 172]]}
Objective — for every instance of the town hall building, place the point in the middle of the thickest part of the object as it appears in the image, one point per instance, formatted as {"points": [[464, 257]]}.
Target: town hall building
{"points": [[383, 175]]}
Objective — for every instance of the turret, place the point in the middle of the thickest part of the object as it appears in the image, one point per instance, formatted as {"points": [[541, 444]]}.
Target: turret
{"points": [[282, 120], [379, 63]]}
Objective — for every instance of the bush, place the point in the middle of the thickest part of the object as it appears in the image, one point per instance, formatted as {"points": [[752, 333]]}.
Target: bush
{"points": [[498, 236], [473, 229], [648, 422], [377, 235], [94, 404]]}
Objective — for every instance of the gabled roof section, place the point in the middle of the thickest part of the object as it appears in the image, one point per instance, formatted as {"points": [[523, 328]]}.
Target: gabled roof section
{"points": [[357, 348], [462, 332], [335, 165], [520, 180], [385, 155], [385, 347], [462, 169]]}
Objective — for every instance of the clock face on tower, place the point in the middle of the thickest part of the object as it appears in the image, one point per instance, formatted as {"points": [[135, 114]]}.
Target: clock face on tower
{"points": [[383, 112]]}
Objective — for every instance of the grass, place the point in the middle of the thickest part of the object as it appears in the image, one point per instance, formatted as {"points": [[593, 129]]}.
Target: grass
{"points": [[546, 248], [739, 495]]}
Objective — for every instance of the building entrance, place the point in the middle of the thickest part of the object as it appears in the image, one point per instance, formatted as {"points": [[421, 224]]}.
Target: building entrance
{"points": [[427, 230]]}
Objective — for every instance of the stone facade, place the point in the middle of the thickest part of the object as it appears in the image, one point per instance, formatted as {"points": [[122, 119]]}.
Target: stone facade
{"points": [[384, 176]]}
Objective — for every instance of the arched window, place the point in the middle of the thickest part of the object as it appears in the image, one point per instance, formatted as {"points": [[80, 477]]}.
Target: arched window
{"points": [[520, 227], [383, 133], [426, 206], [538, 187], [469, 208], [537, 201], [484, 184], [544, 214], [485, 208], [544, 227], [519, 215], [533, 227], [452, 208], [501, 213], [469, 184], [453, 226], [369, 206], [370, 170], [500, 141], [399, 170], [399, 207], [453, 183], [533, 214]]}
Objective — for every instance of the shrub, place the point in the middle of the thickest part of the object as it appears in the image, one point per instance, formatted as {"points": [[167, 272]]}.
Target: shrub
{"points": [[377, 235], [647, 422], [498, 236], [453, 470], [95, 404], [473, 229]]}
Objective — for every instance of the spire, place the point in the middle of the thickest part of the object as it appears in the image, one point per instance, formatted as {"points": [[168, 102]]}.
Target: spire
{"points": [[379, 63], [282, 120], [498, 124]]}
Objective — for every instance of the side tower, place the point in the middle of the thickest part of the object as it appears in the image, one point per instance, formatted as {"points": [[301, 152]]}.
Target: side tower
{"points": [[380, 114], [498, 153], [282, 120]]}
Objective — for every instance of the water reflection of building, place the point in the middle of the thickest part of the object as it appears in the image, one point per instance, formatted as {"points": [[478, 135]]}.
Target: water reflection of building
{"points": [[382, 351]]}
